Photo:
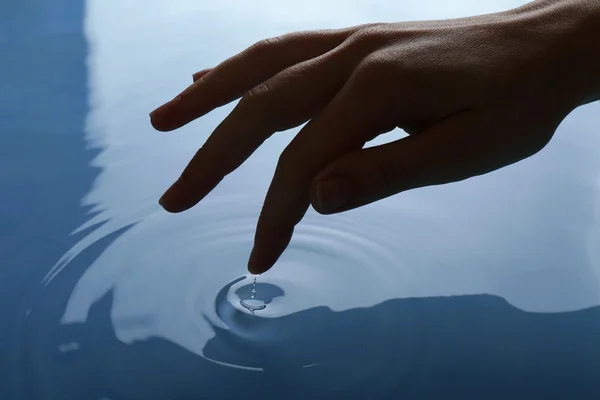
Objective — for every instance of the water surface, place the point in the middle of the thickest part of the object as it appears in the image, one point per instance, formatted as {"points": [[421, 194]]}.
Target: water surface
{"points": [[444, 291]]}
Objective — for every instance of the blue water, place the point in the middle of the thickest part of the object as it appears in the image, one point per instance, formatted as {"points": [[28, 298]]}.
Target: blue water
{"points": [[486, 289]]}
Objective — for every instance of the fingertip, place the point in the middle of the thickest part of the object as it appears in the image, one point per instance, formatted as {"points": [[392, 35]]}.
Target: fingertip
{"points": [[316, 206], [174, 209], [162, 124], [175, 199], [169, 207], [161, 117], [315, 201], [268, 247], [157, 123], [330, 195], [257, 272], [166, 206], [257, 264]]}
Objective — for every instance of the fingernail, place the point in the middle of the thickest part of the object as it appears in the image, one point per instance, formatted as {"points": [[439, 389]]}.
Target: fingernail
{"points": [[332, 195]]}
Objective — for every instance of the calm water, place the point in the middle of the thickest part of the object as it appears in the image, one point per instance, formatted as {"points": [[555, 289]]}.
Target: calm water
{"points": [[487, 288]]}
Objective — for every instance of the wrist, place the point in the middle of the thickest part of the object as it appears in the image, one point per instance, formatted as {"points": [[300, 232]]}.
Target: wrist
{"points": [[586, 42], [568, 32], [581, 44], [594, 38]]}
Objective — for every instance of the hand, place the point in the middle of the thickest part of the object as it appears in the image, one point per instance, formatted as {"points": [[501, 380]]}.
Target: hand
{"points": [[475, 94]]}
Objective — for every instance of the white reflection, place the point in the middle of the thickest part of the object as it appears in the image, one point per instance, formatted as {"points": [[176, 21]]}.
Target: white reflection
{"points": [[528, 233]]}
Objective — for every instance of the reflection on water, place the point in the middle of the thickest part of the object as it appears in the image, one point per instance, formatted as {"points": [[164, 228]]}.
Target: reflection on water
{"points": [[380, 302], [463, 346]]}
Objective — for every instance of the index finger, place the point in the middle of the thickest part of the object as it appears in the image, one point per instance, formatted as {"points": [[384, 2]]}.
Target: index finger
{"points": [[240, 73]]}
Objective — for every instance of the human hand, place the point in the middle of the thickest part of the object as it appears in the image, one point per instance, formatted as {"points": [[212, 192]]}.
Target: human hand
{"points": [[475, 94]]}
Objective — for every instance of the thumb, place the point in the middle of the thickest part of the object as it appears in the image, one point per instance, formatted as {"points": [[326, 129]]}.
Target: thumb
{"points": [[449, 151], [356, 179]]}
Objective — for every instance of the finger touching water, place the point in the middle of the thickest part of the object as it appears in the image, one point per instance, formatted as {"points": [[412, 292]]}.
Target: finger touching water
{"points": [[481, 92], [342, 126]]}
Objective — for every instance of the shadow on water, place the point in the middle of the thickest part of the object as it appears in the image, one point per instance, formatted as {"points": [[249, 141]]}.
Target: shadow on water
{"points": [[468, 347]]}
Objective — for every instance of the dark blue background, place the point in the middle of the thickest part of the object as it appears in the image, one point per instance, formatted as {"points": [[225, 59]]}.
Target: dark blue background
{"points": [[45, 167]]}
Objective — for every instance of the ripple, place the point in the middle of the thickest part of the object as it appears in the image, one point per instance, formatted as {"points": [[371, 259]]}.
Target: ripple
{"points": [[350, 345], [186, 274], [331, 266], [253, 304]]}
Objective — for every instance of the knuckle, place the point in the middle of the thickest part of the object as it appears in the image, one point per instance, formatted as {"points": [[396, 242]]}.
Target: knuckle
{"points": [[259, 91], [375, 75], [257, 100], [378, 64], [258, 96], [266, 44], [369, 37], [381, 73], [369, 25], [272, 41]]}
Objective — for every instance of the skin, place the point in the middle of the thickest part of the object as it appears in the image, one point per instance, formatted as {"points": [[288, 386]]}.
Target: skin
{"points": [[475, 94]]}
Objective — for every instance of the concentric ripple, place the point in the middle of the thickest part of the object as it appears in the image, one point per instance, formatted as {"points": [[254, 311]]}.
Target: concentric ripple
{"points": [[184, 277], [314, 296], [326, 316]]}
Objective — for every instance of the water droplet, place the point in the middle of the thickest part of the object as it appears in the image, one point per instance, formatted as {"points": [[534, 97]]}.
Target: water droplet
{"points": [[253, 304]]}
